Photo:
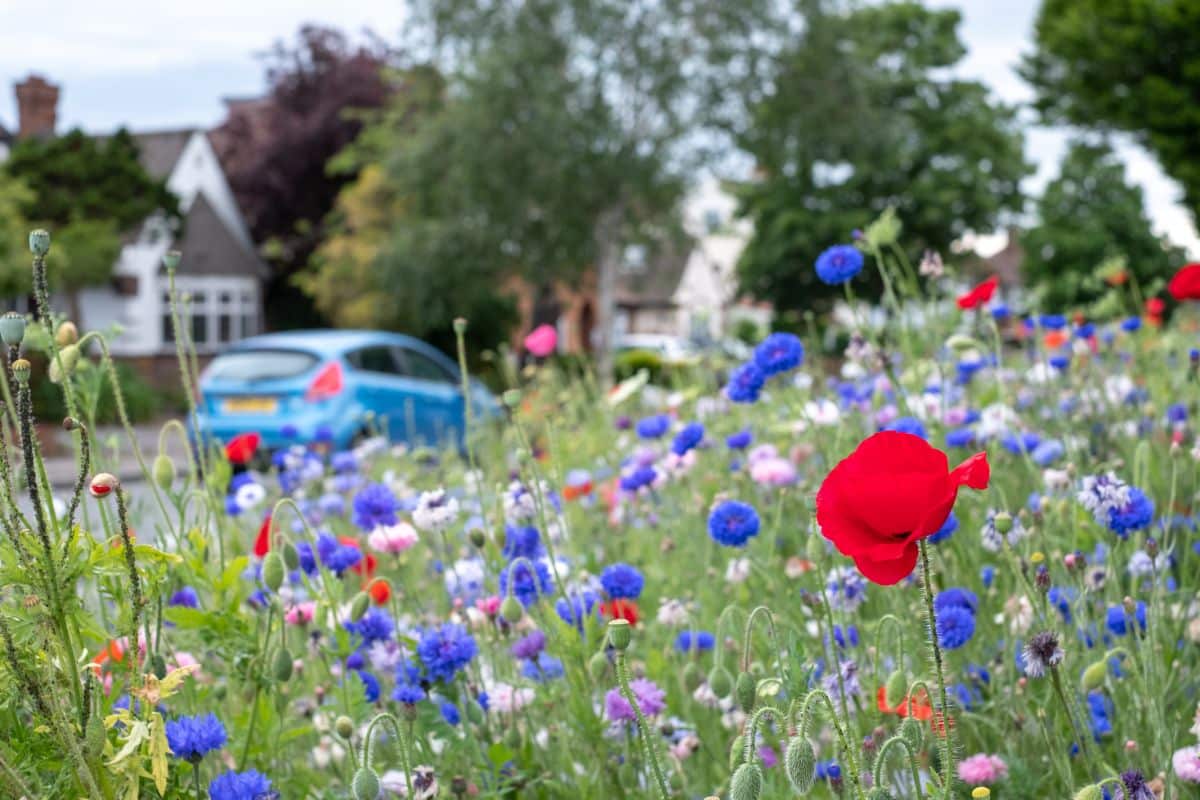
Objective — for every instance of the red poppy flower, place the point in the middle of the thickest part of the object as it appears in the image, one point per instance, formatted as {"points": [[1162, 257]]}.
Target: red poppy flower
{"points": [[1186, 283], [240, 448], [262, 545], [365, 565], [938, 723], [917, 706], [892, 491], [380, 591], [621, 609], [979, 295], [1155, 306]]}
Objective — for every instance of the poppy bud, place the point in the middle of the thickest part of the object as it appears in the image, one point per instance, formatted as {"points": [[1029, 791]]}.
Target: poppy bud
{"points": [[720, 681], [21, 369], [747, 782], [273, 571], [620, 633], [460, 326], [692, 676], [171, 260], [598, 665], [895, 689], [63, 365], [164, 471], [39, 242], [1094, 675], [736, 750], [744, 691], [912, 733], [67, 334], [12, 328], [359, 605], [477, 538], [1003, 522], [365, 784], [512, 398], [1092, 792], [512, 737], [282, 668], [475, 713], [512, 610], [800, 762], [103, 484], [815, 548], [291, 557], [70, 424], [157, 665], [344, 727]]}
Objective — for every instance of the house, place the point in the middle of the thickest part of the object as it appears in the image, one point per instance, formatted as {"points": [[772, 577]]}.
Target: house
{"points": [[220, 270]]}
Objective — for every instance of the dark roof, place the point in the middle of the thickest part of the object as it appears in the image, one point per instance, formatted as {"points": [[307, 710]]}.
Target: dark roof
{"points": [[160, 151], [208, 247], [656, 282]]}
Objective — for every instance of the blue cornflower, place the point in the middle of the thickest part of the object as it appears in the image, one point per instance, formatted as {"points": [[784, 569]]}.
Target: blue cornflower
{"points": [[331, 504], [828, 771], [248, 785], [1061, 599], [745, 383], [1131, 324], [1136, 514], [581, 606], [966, 696], [946, 531], [529, 646], [732, 523], [694, 640], [908, 425], [740, 440], [370, 685], [450, 713], [1117, 618], [445, 650], [543, 668], [356, 660], [653, 427], [374, 505], [956, 596], [522, 541], [308, 560], [622, 582], [845, 637], [960, 437], [1053, 322], [191, 738], [687, 438], [778, 353], [1100, 710], [1048, 452], [1059, 362], [1020, 443], [955, 626], [1177, 413], [987, 574], [1085, 331], [839, 264], [374, 626], [343, 461], [337, 557], [638, 478], [1000, 311], [528, 583], [185, 597], [408, 693]]}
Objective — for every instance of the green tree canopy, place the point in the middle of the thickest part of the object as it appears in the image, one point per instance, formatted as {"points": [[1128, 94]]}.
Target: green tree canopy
{"points": [[1132, 66], [863, 114], [1090, 215]]}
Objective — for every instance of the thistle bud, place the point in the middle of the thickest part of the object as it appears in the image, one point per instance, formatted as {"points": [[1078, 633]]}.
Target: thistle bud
{"points": [[736, 750], [477, 537], [21, 369], [39, 242], [895, 689], [343, 726], [273, 571], [598, 665], [720, 681], [744, 692], [103, 484], [66, 334], [1092, 792], [358, 606], [620, 633], [282, 668], [171, 260], [164, 471], [747, 782], [291, 557], [12, 329], [1003, 522], [365, 784], [800, 762], [912, 733], [63, 364], [511, 610], [1094, 675]]}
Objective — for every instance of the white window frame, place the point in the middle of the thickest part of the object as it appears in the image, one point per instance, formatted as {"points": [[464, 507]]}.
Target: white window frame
{"points": [[243, 306]]}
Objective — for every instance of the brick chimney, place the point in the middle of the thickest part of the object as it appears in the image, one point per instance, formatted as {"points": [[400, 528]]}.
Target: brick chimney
{"points": [[37, 107]]}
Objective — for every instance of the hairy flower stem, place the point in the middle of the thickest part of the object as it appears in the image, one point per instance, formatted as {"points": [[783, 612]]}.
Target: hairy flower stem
{"points": [[368, 747], [135, 583], [643, 726], [806, 716], [1056, 682], [749, 632], [258, 681], [947, 728], [85, 466], [910, 759], [185, 373]]}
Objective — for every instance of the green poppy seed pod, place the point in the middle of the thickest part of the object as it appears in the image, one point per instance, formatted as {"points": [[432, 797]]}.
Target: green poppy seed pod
{"points": [[1094, 675], [736, 751], [1003, 522], [512, 610], [598, 665], [164, 471], [1092, 792], [693, 676], [746, 783], [895, 688], [815, 547], [39, 242], [157, 665], [512, 398], [21, 369], [273, 571], [365, 784], [171, 260], [620, 633], [343, 726], [291, 557], [474, 713], [913, 734], [744, 692], [460, 326], [12, 329], [66, 334], [359, 605], [477, 537], [282, 668], [720, 680], [63, 364], [800, 762]]}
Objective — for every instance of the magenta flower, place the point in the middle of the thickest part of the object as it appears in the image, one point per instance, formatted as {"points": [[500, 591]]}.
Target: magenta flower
{"points": [[650, 699]]}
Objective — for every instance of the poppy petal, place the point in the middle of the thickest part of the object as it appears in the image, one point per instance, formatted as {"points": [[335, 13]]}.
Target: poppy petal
{"points": [[887, 573], [975, 472]]}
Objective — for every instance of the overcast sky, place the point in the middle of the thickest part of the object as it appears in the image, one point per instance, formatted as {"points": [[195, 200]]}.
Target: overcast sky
{"points": [[153, 65]]}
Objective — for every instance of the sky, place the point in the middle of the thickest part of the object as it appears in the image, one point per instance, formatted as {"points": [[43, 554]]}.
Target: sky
{"points": [[153, 65]]}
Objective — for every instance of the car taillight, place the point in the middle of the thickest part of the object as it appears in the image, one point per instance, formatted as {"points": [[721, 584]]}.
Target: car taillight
{"points": [[327, 384]]}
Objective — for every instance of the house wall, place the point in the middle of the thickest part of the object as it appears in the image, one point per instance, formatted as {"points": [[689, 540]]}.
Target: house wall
{"points": [[199, 170]]}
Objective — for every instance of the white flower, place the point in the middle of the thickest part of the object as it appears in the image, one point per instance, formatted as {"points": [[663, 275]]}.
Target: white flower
{"points": [[1101, 494], [435, 511], [993, 540], [328, 751], [738, 570], [822, 412], [931, 264], [705, 696], [1118, 387], [250, 495], [392, 538], [504, 698], [672, 612], [1141, 565], [1019, 613], [996, 420], [1056, 479]]}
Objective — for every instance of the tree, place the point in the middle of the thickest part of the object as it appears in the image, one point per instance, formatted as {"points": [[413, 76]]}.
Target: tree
{"points": [[1090, 215], [15, 271], [275, 151], [87, 191], [562, 137], [862, 115], [1131, 66]]}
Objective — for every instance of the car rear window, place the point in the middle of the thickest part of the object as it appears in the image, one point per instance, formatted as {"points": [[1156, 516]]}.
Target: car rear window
{"points": [[260, 365]]}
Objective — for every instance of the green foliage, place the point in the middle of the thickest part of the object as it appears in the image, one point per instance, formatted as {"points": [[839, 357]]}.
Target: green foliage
{"points": [[865, 115], [14, 254], [143, 401], [1091, 218], [1131, 66], [629, 362]]}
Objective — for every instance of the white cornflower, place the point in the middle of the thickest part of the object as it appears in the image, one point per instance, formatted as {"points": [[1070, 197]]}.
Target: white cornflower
{"points": [[435, 511]]}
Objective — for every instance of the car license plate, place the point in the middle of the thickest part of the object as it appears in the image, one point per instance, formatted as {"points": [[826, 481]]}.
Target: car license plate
{"points": [[250, 405]]}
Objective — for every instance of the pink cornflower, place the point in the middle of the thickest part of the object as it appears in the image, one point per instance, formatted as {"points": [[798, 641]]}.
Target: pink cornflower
{"points": [[773, 472], [1186, 763], [650, 699], [301, 613], [392, 538], [982, 769]]}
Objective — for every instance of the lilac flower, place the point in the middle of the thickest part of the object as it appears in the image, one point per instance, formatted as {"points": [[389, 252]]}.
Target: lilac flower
{"points": [[650, 700], [445, 650]]}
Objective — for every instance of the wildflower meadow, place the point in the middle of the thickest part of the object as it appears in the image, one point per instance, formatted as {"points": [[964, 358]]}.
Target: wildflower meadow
{"points": [[956, 557]]}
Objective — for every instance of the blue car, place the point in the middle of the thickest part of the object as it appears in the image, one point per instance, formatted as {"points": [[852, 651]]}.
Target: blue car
{"points": [[337, 386]]}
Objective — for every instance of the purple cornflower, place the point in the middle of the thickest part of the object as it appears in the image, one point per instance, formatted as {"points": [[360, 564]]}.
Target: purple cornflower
{"points": [[530, 645], [445, 650], [650, 699], [687, 438], [191, 738], [374, 505], [185, 597]]}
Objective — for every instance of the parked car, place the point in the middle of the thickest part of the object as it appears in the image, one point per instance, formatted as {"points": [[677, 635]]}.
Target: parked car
{"points": [[300, 386]]}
